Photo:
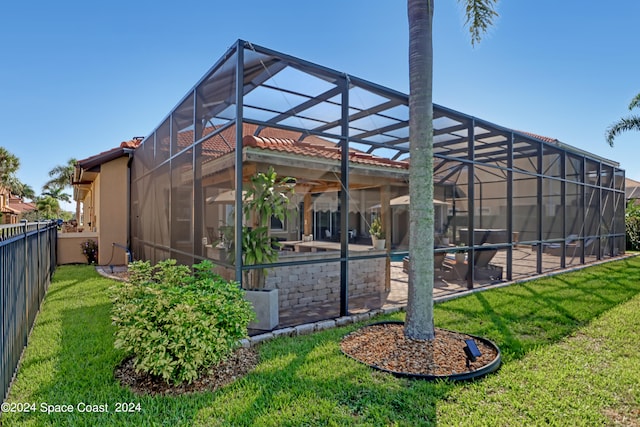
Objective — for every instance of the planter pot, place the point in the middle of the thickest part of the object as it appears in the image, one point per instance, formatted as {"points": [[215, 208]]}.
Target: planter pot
{"points": [[460, 257], [445, 241], [265, 304], [378, 244]]}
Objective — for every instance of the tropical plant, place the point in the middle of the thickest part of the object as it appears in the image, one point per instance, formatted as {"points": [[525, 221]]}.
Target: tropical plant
{"points": [[265, 196], [376, 229], [9, 164], [55, 192], [47, 207], [61, 175], [479, 16], [19, 188], [174, 322], [625, 124]]}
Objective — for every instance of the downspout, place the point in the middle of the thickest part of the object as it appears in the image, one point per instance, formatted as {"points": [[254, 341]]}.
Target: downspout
{"points": [[129, 152]]}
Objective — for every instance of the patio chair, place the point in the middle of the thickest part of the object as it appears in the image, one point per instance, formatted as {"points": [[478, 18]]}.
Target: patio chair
{"points": [[573, 246], [483, 256], [482, 267], [438, 263], [556, 248]]}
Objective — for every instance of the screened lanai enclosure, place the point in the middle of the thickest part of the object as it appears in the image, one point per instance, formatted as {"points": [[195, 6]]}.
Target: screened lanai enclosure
{"points": [[508, 204]]}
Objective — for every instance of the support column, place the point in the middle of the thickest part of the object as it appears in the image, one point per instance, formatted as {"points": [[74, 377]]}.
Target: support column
{"points": [[385, 220], [344, 199], [238, 158], [308, 215], [510, 206], [472, 206]]}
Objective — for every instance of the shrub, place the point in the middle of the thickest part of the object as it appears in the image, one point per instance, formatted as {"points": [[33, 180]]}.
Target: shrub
{"points": [[175, 323], [90, 250], [632, 225]]}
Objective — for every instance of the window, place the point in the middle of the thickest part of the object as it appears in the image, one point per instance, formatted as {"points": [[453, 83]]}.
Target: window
{"points": [[277, 225]]}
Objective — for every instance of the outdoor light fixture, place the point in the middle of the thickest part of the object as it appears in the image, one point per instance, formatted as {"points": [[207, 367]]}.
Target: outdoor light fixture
{"points": [[472, 351]]}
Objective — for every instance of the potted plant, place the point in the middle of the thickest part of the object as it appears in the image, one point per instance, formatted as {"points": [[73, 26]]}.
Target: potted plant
{"points": [[446, 238], [460, 255], [265, 196], [377, 234], [90, 251]]}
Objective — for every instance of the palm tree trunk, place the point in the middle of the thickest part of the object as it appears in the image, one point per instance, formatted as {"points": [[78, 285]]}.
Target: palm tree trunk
{"points": [[419, 320]]}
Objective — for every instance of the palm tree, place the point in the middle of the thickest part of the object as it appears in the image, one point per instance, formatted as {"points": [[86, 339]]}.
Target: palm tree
{"points": [[625, 123], [9, 164], [19, 188], [48, 207], [61, 175], [479, 16], [55, 192]]}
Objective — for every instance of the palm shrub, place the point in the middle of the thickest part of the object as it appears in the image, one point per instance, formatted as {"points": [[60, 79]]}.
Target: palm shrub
{"points": [[175, 322], [267, 196]]}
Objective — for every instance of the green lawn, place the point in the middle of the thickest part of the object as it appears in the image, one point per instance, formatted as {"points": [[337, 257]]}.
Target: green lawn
{"points": [[569, 344]]}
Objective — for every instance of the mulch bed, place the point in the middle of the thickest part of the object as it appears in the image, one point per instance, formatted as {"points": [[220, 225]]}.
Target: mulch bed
{"points": [[384, 346], [240, 363]]}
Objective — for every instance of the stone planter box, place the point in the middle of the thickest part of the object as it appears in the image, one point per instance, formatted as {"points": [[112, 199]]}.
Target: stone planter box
{"points": [[265, 304]]}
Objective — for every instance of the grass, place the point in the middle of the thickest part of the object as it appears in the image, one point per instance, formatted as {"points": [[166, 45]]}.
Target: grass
{"points": [[569, 346]]}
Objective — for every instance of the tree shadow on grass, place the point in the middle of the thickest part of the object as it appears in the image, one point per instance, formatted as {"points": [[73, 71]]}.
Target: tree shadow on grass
{"points": [[83, 362], [524, 316], [308, 381], [313, 383]]}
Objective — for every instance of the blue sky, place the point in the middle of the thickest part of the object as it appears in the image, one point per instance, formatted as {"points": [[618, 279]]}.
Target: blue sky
{"points": [[77, 78]]}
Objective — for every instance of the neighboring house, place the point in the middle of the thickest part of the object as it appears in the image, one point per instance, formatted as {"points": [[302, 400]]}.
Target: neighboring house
{"points": [[632, 189], [101, 192], [13, 207]]}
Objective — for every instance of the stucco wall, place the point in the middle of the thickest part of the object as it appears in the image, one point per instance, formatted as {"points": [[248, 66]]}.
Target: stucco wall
{"points": [[69, 250], [111, 211]]}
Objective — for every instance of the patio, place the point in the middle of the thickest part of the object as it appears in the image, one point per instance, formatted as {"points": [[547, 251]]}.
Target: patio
{"points": [[524, 261]]}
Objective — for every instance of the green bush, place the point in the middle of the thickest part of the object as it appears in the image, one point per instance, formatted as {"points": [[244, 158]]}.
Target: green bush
{"points": [[632, 225], [175, 323]]}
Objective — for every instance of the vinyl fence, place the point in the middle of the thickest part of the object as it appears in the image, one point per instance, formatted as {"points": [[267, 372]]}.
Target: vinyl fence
{"points": [[27, 263]]}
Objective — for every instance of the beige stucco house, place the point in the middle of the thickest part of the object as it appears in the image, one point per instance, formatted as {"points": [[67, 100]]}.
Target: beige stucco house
{"points": [[101, 192], [12, 207]]}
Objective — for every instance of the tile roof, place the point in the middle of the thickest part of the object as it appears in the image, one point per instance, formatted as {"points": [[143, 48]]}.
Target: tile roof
{"points": [[540, 137], [632, 188], [16, 205], [319, 149], [283, 141], [109, 155], [132, 143], [21, 206]]}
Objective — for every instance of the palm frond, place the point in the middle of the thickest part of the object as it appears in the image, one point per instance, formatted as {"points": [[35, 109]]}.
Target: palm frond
{"points": [[479, 17], [635, 102], [62, 175], [625, 124]]}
